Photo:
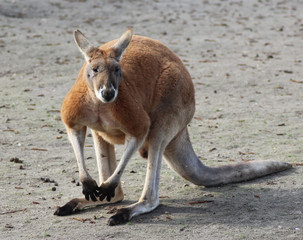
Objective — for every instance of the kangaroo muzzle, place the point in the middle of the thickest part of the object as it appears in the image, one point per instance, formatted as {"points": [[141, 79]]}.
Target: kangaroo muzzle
{"points": [[107, 95]]}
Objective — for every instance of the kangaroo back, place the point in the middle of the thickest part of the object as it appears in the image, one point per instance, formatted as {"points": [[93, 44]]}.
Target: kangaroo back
{"points": [[154, 75]]}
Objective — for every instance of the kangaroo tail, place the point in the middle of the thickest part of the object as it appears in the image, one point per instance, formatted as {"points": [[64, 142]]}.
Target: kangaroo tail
{"points": [[181, 157]]}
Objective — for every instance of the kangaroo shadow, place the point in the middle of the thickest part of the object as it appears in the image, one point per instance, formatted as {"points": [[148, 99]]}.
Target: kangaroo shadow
{"points": [[269, 200]]}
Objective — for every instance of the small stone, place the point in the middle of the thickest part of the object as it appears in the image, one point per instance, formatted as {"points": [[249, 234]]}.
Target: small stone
{"points": [[8, 225], [16, 160]]}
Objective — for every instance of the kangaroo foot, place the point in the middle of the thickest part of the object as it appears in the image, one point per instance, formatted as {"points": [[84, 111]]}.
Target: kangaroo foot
{"points": [[121, 217], [68, 209], [78, 204]]}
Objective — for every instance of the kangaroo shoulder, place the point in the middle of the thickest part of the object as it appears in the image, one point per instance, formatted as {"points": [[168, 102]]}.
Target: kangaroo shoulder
{"points": [[76, 103]]}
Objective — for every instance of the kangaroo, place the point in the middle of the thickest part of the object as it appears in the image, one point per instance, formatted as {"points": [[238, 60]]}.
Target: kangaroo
{"points": [[135, 91]]}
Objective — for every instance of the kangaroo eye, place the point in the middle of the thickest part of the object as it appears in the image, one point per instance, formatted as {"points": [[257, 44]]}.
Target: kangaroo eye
{"points": [[95, 70], [117, 70]]}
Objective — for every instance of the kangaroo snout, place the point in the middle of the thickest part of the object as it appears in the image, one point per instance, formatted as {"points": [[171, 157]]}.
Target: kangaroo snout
{"points": [[107, 95]]}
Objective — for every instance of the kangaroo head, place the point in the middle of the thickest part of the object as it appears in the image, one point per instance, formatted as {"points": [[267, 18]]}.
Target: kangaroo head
{"points": [[103, 70]]}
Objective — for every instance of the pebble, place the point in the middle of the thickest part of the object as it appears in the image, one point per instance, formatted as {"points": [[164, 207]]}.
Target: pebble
{"points": [[45, 179], [48, 180], [8, 225], [16, 160]]}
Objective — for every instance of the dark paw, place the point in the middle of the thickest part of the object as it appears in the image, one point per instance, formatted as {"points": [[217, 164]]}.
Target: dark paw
{"points": [[90, 189], [107, 192], [122, 216], [67, 209]]}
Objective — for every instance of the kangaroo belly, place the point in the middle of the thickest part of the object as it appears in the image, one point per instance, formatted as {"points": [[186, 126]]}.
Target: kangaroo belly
{"points": [[116, 137]]}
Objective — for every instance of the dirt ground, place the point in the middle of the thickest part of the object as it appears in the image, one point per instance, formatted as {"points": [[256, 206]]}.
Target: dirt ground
{"points": [[245, 58]]}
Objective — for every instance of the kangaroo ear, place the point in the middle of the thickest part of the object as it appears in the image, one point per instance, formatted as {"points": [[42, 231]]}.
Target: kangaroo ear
{"points": [[82, 43], [123, 42]]}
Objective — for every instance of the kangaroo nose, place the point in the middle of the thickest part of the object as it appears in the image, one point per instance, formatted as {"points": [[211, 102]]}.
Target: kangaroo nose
{"points": [[108, 94]]}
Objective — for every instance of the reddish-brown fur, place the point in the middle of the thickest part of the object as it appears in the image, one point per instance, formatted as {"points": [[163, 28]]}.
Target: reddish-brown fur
{"points": [[148, 109]]}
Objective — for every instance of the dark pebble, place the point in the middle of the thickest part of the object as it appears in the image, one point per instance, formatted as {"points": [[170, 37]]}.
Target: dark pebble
{"points": [[16, 160]]}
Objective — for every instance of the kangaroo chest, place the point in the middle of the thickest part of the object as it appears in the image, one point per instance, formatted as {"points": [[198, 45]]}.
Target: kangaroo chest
{"points": [[106, 127]]}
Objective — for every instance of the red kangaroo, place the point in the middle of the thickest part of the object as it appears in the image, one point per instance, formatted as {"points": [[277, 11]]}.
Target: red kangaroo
{"points": [[135, 91]]}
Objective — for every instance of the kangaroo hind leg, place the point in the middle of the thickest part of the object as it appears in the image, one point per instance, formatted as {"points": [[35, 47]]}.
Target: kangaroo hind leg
{"points": [[149, 199]]}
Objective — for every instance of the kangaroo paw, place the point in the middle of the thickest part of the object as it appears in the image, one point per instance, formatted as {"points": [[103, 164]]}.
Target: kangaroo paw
{"points": [[107, 192], [90, 189], [122, 216]]}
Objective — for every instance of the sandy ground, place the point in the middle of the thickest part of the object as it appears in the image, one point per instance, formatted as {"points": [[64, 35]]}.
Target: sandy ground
{"points": [[245, 58]]}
